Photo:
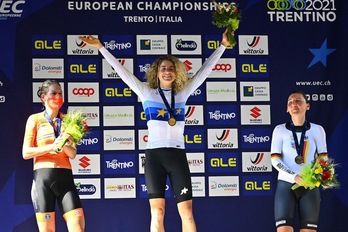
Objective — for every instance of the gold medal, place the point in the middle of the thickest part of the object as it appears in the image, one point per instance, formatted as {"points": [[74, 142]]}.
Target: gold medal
{"points": [[171, 121]]}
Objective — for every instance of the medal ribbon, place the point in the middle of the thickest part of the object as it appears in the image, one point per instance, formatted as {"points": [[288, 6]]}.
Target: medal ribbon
{"points": [[169, 108], [56, 130], [299, 147]]}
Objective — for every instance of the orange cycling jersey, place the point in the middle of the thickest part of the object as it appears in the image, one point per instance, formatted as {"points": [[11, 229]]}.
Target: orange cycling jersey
{"points": [[39, 132]]}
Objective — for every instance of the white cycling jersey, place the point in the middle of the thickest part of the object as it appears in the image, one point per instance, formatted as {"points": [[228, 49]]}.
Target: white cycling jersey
{"points": [[283, 149], [160, 133]]}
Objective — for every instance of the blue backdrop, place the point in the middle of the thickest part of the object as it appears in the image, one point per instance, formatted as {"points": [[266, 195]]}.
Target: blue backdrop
{"points": [[282, 45]]}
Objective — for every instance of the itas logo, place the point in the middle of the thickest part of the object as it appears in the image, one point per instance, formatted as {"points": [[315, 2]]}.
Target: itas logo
{"points": [[11, 9], [84, 162], [185, 45]]}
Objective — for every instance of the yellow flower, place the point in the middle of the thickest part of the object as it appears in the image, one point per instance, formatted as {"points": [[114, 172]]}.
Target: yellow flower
{"points": [[318, 170], [317, 184]]}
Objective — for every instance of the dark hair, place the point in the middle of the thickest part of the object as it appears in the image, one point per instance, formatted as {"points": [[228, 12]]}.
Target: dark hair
{"points": [[300, 92]]}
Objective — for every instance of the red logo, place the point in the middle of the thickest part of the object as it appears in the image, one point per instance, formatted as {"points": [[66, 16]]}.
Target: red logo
{"points": [[84, 162], [255, 112]]}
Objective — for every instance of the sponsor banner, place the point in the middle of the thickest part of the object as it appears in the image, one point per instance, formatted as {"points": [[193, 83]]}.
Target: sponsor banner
{"points": [[194, 138], [256, 161], [141, 162], [221, 91], [87, 69], [143, 136], [88, 188], [222, 114], [152, 45], [225, 68], [197, 96], [78, 47], [192, 65], [223, 138], [85, 92], [48, 68], [223, 162], [257, 185], [256, 137], [198, 186], [256, 68], [48, 45], [116, 92], [212, 42], [86, 164], [254, 91], [118, 115], [255, 114], [91, 142], [108, 72], [119, 188], [119, 44], [140, 116], [253, 45], [223, 186], [91, 113], [119, 164], [193, 115], [186, 44], [196, 162], [119, 140]]}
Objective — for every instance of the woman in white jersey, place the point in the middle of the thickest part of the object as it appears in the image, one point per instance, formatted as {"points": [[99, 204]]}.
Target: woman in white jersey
{"points": [[295, 144], [163, 97]]}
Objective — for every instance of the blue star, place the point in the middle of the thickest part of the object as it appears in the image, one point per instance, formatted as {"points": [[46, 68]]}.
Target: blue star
{"points": [[320, 54], [11, 214]]}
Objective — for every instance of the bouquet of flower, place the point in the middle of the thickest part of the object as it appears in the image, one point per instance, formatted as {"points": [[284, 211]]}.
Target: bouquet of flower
{"points": [[75, 125], [227, 16], [321, 172]]}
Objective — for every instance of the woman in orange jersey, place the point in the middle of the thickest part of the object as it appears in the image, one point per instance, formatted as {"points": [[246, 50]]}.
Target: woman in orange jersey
{"points": [[53, 180]]}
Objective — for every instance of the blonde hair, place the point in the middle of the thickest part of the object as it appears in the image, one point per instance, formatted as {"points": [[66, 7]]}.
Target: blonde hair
{"points": [[181, 79]]}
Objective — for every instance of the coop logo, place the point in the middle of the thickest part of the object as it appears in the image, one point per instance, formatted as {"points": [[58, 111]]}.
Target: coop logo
{"points": [[83, 91], [84, 162], [222, 67], [11, 9], [185, 45]]}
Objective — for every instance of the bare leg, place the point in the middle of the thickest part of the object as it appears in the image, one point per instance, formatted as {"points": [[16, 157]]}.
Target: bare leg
{"points": [[46, 221], [75, 220], [157, 206], [187, 219]]}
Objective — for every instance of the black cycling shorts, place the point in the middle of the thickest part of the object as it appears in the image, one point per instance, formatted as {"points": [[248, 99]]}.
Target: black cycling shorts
{"points": [[287, 201], [171, 162], [51, 185]]}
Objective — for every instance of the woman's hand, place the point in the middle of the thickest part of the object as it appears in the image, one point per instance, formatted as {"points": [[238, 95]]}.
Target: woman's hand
{"points": [[92, 41], [298, 180], [225, 40]]}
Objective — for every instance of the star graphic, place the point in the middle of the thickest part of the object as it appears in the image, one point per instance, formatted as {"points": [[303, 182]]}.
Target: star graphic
{"points": [[10, 213], [320, 54], [178, 111], [183, 191], [161, 112]]}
